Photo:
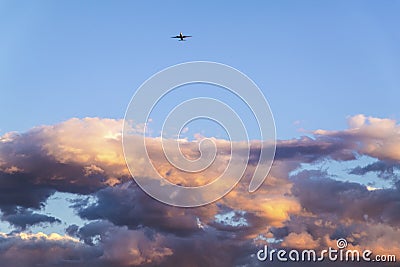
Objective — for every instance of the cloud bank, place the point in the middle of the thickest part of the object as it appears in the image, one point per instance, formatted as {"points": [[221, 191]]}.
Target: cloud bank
{"points": [[294, 208]]}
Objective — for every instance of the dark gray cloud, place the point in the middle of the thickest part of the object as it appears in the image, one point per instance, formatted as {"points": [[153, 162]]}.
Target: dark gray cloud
{"points": [[22, 190], [22, 218], [384, 169], [308, 150], [128, 205], [325, 196], [205, 248]]}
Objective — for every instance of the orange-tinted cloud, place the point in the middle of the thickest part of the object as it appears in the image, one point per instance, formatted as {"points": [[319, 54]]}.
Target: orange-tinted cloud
{"points": [[307, 209]]}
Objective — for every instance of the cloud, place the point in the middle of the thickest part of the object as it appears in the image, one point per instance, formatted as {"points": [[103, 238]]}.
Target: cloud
{"points": [[300, 241], [124, 247], [384, 169], [84, 156], [116, 246], [308, 150], [126, 227], [39, 249], [147, 247], [346, 200], [375, 137], [128, 205], [76, 156], [22, 218]]}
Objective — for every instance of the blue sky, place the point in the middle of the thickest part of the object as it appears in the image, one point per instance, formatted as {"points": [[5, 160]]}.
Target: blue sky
{"points": [[316, 63]]}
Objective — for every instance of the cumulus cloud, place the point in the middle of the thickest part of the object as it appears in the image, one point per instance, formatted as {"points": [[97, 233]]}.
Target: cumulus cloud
{"points": [[116, 246], [375, 137], [300, 241], [128, 205], [77, 156], [39, 249], [347, 200], [126, 227], [123, 247]]}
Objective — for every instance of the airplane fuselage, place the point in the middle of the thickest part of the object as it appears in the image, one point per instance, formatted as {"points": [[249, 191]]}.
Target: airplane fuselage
{"points": [[181, 37]]}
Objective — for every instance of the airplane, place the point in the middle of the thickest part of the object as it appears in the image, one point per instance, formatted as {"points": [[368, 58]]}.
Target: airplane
{"points": [[181, 37]]}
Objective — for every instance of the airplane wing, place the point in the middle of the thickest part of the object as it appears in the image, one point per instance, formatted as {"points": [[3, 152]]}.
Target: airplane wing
{"points": [[176, 36], [185, 36]]}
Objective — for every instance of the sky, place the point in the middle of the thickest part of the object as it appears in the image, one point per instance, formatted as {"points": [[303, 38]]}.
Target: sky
{"points": [[68, 70], [72, 59]]}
